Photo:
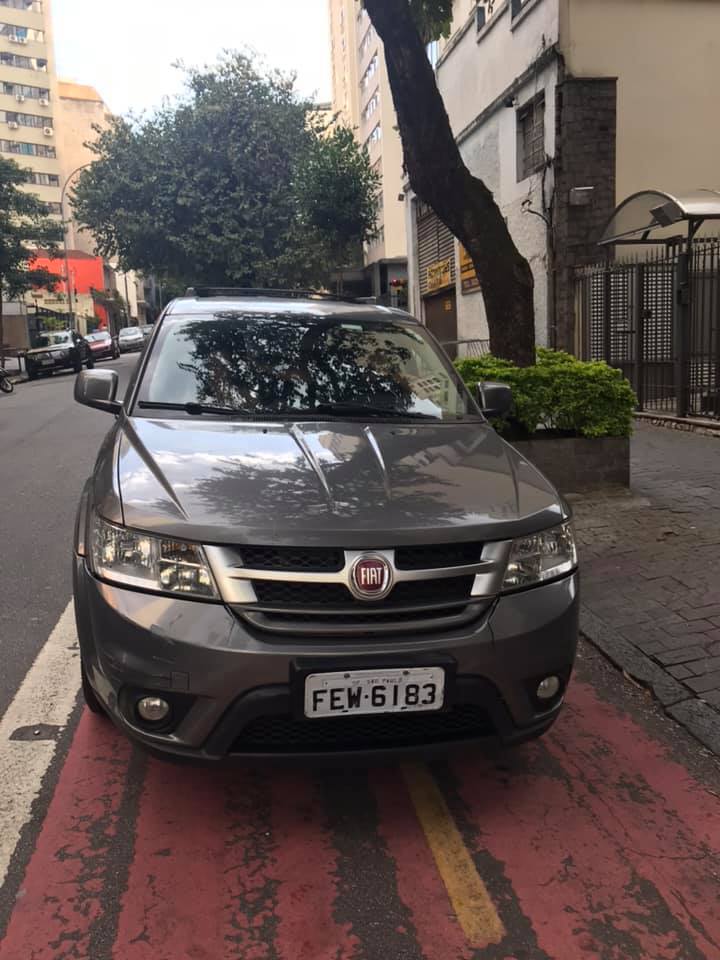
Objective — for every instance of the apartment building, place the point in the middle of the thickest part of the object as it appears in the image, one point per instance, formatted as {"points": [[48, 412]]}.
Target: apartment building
{"points": [[564, 108], [28, 96], [363, 100]]}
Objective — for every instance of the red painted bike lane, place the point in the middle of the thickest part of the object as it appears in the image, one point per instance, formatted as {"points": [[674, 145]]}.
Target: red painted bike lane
{"points": [[595, 843]]}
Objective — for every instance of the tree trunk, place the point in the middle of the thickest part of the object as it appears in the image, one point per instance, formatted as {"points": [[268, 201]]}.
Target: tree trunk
{"points": [[439, 176]]}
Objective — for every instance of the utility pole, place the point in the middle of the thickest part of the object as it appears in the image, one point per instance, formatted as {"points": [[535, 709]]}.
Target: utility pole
{"points": [[68, 282]]}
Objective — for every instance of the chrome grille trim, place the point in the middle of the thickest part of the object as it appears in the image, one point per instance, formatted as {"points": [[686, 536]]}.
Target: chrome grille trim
{"points": [[233, 578]]}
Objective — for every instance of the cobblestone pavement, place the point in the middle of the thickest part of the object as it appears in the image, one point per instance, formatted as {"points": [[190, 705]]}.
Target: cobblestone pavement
{"points": [[651, 587]]}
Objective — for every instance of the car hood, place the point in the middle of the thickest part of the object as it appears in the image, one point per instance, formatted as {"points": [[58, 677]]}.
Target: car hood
{"points": [[329, 483], [54, 347]]}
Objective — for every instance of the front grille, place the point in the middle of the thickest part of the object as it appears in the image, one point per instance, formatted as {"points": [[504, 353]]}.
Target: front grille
{"points": [[442, 555], [284, 734], [327, 595], [310, 559]]}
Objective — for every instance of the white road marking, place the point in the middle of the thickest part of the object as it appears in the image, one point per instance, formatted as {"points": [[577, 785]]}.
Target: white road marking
{"points": [[46, 695]]}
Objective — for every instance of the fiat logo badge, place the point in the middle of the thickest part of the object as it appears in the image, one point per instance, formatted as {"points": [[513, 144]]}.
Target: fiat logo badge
{"points": [[370, 578]]}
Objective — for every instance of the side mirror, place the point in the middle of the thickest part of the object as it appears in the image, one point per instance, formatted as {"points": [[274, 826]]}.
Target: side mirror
{"points": [[97, 388], [494, 399]]}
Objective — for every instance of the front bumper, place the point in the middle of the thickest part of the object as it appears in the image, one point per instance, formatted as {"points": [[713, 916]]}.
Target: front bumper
{"points": [[233, 692]]}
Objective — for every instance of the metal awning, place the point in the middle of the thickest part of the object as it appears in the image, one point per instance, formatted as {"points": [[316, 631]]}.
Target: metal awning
{"points": [[644, 215]]}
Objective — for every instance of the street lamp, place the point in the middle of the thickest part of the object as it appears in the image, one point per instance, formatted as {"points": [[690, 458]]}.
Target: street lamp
{"points": [[68, 283]]}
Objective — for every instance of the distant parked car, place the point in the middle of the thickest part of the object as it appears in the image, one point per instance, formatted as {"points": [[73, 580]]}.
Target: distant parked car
{"points": [[103, 346], [131, 338], [58, 350]]}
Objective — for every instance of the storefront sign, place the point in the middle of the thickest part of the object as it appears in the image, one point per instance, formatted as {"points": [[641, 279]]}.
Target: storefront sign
{"points": [[468, 276], [439, 275]]}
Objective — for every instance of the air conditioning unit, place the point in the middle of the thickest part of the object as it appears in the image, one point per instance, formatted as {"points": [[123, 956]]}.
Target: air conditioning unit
{"points": [[48, 131], [20, 39], [44, 102], [13, 39], [13, 124], [20, 98]]}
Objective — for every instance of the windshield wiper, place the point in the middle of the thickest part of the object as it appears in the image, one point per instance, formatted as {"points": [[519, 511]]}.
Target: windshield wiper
{"points": [[195, 409], [363, 409]]}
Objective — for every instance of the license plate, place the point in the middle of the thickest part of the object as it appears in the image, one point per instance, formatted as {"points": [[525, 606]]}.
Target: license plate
{"points": [[46, 363], [355, 692]]}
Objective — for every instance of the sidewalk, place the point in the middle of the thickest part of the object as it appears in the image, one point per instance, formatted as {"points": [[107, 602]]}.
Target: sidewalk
{"points": [[651, 574]]}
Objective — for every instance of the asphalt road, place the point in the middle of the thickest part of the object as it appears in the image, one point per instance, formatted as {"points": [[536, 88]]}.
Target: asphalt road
{"points": [[600, 842], [47, 448]]}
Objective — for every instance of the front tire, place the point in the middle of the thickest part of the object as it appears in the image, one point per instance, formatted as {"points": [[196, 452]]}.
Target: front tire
{"points": [[89, 695], [90, 362], [6, 384], [77, 364]]}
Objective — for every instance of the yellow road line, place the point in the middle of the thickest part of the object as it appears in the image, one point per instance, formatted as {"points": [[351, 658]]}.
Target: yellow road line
{"points": [[468, 894]]}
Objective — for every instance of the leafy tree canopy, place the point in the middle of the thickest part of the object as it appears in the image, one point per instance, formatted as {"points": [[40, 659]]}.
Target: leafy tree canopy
{"points": [[221, 185], [25, 231], [433, 18], [338, 193]]}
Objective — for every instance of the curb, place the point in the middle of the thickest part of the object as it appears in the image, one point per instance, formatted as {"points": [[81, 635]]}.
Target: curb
{"points": [[698, 717]]}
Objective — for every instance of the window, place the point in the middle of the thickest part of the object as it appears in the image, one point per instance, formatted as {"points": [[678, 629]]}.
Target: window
{"points": [[531, 138], [27, 149], [287, 366], [371, 106], [23, 90], [372, 69], [367, 41], [43, 179], [30, 5], [25, 119], [375, 136], [53, 209], [24, 63], [14, 32]]}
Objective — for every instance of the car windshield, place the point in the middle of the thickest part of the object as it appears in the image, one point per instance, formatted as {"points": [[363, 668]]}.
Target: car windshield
{"points": [[260, 364], [94, 337], [54, 339], [128, 333]]}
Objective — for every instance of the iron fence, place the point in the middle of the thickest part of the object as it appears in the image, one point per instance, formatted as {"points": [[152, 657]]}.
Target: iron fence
{"points": [[658, 320]]}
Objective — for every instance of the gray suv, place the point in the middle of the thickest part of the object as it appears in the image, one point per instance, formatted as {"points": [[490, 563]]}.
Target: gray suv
{"points": [[303, 536]]}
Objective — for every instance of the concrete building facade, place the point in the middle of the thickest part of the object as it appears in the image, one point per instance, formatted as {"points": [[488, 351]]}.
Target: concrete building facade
{"points": [[28, 96], [564, 108], [363, 100]]}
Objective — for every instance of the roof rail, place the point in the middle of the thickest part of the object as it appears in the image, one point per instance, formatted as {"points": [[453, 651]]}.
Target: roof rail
{"points": [[206, 292]]}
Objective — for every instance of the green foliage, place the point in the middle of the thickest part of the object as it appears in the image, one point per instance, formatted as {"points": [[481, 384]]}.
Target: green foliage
{"points": [[221, 186], [559, 393], [432, 17], [25, 228], [338, 193]]}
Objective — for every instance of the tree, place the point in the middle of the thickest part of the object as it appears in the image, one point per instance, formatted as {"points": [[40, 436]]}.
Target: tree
{"points": [[25, 231], [439, 176], [205, 191], [338, 194]]}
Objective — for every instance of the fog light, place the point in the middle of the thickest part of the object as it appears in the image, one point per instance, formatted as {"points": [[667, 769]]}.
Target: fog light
{"points": [[548, 688], [153, 709]]}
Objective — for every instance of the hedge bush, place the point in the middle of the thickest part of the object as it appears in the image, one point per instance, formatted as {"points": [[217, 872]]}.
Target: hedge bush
{"points": [[560, 393]]}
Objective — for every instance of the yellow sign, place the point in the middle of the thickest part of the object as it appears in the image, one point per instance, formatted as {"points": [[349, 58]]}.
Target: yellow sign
{"points": [[468, 276], [439, 275]]}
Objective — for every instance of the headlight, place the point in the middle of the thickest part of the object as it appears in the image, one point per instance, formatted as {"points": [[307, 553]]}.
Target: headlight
{"points": [[152, 563], [61, 354], [541, 557]]}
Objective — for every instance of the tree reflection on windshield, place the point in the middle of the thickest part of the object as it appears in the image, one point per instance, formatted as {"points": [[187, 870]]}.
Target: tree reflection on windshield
{"points": [[280, 364]]}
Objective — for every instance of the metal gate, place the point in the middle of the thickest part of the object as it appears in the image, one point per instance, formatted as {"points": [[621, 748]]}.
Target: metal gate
{"points": [[658, 320]]}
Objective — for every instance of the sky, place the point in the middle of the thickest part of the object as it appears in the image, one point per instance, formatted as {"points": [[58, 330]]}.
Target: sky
{"points": [[126, 48]]}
